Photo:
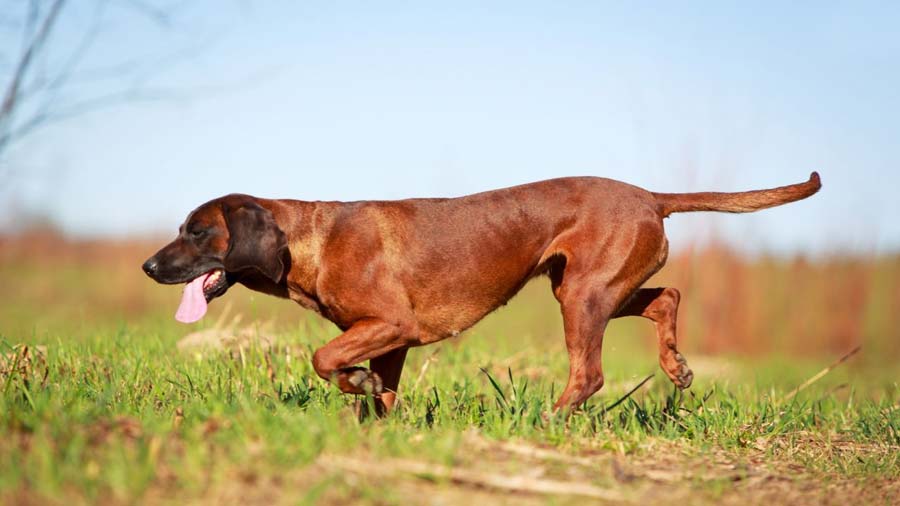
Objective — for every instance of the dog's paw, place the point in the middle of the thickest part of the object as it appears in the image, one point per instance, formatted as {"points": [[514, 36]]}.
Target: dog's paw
{"points": [[684, 376], [676, 368], [367, 381]]}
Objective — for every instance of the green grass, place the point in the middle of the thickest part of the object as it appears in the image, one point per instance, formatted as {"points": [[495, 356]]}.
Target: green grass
{"points": [[105, 408], [118, 415]]}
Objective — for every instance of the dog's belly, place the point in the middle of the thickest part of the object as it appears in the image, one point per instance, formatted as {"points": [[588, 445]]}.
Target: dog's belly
{"points": [[452, 317], [452, 300]]}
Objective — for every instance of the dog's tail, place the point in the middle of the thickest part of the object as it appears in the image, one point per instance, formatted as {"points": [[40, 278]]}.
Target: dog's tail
{"points": [[740, 202]]}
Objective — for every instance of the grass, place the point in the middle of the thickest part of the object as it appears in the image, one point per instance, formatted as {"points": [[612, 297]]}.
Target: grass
{"points": [[103, 407]]}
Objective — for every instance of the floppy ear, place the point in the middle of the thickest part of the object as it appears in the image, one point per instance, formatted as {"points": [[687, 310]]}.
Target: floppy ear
{"points": [[254, 241]]}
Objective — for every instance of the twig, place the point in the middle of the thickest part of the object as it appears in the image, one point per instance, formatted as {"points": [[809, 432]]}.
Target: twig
{"points": [[633, 390], [12, 91], [821, 373], [12, 94], [424, 368]]}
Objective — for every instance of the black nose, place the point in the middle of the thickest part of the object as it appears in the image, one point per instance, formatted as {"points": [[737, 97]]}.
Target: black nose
{"points": [[150, 266]]}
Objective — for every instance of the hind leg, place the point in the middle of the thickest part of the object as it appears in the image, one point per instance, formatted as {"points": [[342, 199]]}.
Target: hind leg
{"points": [[660, 305], [585, 313], [588, 303], [594, 278]]}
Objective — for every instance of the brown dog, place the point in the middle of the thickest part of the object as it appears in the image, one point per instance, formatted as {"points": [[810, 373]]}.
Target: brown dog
{"points": [[393, 275]]}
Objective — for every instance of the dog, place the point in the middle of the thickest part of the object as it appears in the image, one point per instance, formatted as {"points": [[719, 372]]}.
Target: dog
{"points": [[397, 274]]}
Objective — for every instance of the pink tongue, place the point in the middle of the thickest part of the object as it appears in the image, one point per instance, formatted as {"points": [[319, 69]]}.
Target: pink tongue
{"points": [[193, 302]]}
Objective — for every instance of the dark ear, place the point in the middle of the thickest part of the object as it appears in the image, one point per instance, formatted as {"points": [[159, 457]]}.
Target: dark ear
{"points": [[254, 241]]}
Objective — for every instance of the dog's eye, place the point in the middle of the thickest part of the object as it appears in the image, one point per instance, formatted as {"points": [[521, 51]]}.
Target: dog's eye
{"points": [[197, 233]]}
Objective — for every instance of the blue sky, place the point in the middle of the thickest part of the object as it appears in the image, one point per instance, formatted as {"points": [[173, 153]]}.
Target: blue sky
{"points": [[350, 101]]}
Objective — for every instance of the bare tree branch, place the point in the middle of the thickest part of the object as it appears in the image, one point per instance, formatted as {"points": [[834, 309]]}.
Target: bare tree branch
{"points": [[75, 58], [31, 48], [159, 16], [56, 114], [31, 20], [36, 97]]}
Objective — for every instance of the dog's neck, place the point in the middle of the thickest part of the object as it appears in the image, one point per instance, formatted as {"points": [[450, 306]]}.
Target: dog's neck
{"points": [[307, 224]]}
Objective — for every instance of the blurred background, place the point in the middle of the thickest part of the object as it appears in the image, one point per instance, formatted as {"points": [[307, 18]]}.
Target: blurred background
{"points": [[119, 117]]}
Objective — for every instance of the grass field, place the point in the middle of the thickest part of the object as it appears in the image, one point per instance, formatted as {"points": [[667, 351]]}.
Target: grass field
{"points": [[100, 403]]}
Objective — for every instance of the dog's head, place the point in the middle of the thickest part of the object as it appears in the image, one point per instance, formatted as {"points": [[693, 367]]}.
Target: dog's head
{"points": [[219, 243]]}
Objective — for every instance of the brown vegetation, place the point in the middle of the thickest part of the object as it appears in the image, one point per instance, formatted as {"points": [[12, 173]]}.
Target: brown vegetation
{"points": [[731, 303]]}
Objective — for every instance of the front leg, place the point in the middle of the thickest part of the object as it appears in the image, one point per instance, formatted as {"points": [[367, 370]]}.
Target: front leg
{"points": [[369, 339]]}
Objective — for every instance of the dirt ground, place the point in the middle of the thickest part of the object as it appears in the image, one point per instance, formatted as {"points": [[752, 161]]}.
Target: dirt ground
{"points": [[488, 472]]}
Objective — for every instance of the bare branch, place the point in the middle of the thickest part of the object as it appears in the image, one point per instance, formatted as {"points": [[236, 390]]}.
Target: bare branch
{"points": [[29, 89], [31, 20], [157, 15], [53, 85], [821, 374], [50, 115], [12, 92]]}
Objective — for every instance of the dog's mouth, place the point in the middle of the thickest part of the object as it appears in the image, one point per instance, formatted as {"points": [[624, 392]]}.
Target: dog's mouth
{"points": [[198, 292], [215, 284]]}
